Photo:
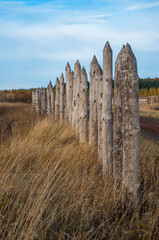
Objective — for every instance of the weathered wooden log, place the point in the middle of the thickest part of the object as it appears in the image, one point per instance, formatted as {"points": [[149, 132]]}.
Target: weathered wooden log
{"points": [[107, 145], [41, 92], [61, 98], [68, 77], [71, 96], [118, 121], [64, 104], [44, 101], [77, 68], [83, 125], [99, 109], [52, 101], [48, 101], [57, 101], [78, 98], [34, 99], [93, 126], [38, 101], [131, 126]]}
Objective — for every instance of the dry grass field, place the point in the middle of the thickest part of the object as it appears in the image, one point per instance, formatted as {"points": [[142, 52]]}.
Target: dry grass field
{"points": [[51, 187], [150, 111]]}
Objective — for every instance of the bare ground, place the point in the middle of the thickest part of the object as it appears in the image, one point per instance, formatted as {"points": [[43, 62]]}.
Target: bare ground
{"points": [[150, 128]]}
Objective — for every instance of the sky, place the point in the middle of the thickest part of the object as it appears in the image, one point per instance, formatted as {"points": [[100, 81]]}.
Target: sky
{"points": [[38, 37]]}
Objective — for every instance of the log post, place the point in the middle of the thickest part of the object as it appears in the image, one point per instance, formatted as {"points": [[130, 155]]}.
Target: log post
{"points": [[61, 98], [107, 145], [77, 68], [78, 98], [34, 98], [41, 92], [48, 101], [99, 109], [83, 125], [44, 101], [52, 100], [118, 121], [38, 101], [71, 96], [131, 127], [57, 101], [93, 127], [68, 77], [64, 105]]}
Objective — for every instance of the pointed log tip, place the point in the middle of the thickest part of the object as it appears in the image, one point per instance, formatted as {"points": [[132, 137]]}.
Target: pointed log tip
{"points": [[78, 63], [107, 47], [62, 76], [50, 84], [128, 49], [68, 67], [128, 46], [57, 80], [121, 52], [83, 71], [100, 71], [94, 60]]}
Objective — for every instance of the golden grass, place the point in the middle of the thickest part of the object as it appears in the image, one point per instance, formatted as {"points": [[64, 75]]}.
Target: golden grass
{"points": [[52, 187], [15, 119], [150, 110]]}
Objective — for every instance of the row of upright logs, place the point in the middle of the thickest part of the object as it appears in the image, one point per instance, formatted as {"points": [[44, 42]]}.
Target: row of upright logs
{"points": [[118, 142]]}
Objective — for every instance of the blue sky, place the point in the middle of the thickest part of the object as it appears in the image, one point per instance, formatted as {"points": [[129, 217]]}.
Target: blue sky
{"points": [[37, 38]]}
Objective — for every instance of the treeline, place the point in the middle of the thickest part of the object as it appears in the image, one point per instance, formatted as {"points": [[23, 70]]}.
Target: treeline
{"points": [[148, 86], [20, 95], [147, 83]]}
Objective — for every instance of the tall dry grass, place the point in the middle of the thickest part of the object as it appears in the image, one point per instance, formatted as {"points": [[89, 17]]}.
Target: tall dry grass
{"points": [[51, 187], [16, 119]]}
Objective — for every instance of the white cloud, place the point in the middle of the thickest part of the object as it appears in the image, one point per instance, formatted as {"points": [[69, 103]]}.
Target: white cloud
{"points": [[141, 6], [53, 41], [11, 3]]}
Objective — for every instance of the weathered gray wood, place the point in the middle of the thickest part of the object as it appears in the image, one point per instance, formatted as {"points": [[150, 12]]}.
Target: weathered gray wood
{"points": [[99, 109], [131, 126], [64, 106], [38, 101], [77, 68], [78, 97], [41, 92], [44, 101], [107, 145], [126, 125], [93, 126], [71, 96], [61, 98], [68, 78], [57, 101], [34, 99], [52, 100], [118, 121], [48, 100], [83, 125]]}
